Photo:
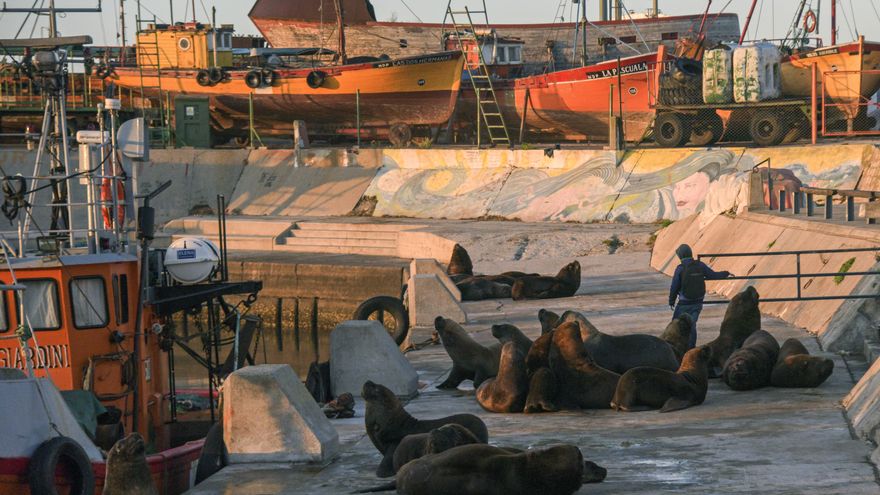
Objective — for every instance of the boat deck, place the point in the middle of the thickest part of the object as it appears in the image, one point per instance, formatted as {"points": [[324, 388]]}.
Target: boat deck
{"points": [[764, 441]]}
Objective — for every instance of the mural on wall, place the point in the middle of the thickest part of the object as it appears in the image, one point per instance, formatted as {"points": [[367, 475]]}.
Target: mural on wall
{"points": [[647, 186]]}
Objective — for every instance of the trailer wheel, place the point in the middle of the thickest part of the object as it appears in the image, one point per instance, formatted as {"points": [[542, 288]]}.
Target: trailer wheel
{"points": [[671, 130], [400, 135], [707, 130], [766, 128]]}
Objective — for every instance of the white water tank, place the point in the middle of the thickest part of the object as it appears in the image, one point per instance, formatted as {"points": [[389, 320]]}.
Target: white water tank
{"points": [[756, 73], [190, 260]]}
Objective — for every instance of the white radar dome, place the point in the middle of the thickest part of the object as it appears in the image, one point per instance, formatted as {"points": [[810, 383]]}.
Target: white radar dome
{"points": [[190, 260]]}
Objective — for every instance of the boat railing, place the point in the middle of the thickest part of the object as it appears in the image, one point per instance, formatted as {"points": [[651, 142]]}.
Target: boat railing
{"points": [[845, 110]]}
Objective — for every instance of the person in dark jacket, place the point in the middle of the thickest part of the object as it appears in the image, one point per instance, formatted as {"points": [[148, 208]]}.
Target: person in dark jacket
{"points": [[689, 287]]}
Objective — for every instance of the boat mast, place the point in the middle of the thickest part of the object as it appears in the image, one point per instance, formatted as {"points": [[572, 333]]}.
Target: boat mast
{"points": [[833, 22], [749, 21], [122, 21], [340, 26]]}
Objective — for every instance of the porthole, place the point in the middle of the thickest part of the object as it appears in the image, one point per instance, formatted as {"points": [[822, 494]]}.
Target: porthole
{"points": [[184, 44]]}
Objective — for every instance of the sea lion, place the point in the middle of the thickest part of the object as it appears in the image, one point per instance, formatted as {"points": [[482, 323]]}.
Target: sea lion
{"points": [[481, 288], [460, 265], [506, 393], [543, 388], [750, 366], [470, 360], [651, 388], [795, 368], [387, 423], [582, 383], [564, 284], [127, 469], [488, 470], [506, 332], [619, 353], [437, 440], [549, 320], [742, 318], [539, 353], [677, 334]]}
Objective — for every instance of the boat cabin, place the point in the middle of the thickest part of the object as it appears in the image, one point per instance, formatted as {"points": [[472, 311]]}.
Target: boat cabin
{"points": [[189, 45], [503, 55]]}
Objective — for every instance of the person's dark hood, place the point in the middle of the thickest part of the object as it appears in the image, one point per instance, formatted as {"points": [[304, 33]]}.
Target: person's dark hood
{"points": [[684, 252]]}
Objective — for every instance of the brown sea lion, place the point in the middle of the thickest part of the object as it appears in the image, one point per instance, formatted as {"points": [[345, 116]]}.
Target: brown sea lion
{"points": [[795, 368], [506, 332], [750, 366], [506, 393], [543, 387], [582, 383], [487, 470], [460, 265], [539, 353], [620, 353], [470, 360], [481, 288], [388, 423], [652, 388], [677, 334], [742, 318], [564, 284], [437, 440], [127, 469], [549, 320]]}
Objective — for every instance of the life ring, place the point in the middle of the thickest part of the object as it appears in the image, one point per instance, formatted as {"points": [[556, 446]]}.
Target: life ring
{"points": [[253, 79], [269, 77], [316, 78], [215, 74], [203, 77], [44, 461], [810, 21], [107, 200]]}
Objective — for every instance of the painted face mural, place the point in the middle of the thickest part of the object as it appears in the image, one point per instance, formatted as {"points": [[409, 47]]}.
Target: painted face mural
{"points": [[690, 193]]}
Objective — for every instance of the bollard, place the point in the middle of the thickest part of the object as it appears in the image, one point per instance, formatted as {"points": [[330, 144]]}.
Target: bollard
{"points": [[296, 324], [850, 209], [829, 205], [782, 201]]}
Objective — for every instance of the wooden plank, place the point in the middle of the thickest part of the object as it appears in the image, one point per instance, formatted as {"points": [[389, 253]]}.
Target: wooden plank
{"points": [[819, 191]]}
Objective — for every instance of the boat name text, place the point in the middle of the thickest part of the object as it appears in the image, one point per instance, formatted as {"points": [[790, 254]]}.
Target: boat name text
{"points": [[53, 356]]}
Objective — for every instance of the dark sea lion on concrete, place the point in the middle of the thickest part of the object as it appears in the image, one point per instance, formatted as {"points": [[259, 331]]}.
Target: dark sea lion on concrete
{"points": [[437, 440], [582, 383], [481, 288], [506, 332], [127, 469], [488, 470], [742, 318], [470, 360], [460, 264], [543, 388], [539, 353], [651, 388], [677, 334], [796, 368], [549, 320], [388, 423], [619, 353], [506, 393], [750, 366], [564, 284]]}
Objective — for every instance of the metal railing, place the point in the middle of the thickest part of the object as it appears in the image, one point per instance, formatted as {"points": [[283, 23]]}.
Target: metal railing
{"points": [[804, 201], [845, 112]]}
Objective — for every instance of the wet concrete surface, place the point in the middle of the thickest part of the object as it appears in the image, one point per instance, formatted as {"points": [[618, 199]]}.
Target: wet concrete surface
{"points": [[772, 440]]}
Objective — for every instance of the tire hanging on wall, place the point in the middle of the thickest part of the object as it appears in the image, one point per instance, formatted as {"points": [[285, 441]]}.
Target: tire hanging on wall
{"points": [[44, 461], [253, 79], [390, 305], [316, 78]]}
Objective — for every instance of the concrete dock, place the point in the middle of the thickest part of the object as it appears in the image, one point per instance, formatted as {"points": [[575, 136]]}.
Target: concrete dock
{"points": [[765, 441]]}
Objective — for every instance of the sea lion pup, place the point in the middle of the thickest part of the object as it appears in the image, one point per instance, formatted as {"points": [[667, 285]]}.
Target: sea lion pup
{"points": [[470, 360], [388, 423], [480, 289], [506, 332], [643, 388], [460, 265], [750, 366], [506, 393], [741, 319], [127, 469], [620, 353], [564, 284], [582, 383], [487, 470], [549, 320], [437, 440], [795, 368], [677, 334]]}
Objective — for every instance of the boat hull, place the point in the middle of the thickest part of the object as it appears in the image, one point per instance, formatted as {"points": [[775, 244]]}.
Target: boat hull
{"points": [[417, 91]]}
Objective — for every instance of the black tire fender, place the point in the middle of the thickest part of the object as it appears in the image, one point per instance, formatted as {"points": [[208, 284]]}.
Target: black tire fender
{"points": [[214, 456], [390, 305], [316, 78], [203, 77], [253, 79], [41, 469], [269, 77], [216, 75]]}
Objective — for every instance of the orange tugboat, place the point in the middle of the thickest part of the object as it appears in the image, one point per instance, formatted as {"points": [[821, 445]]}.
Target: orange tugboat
{"points": [[86, 305]]}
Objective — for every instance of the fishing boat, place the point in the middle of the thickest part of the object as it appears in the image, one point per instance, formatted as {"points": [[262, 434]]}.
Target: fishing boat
{"points": [[87, 305]]}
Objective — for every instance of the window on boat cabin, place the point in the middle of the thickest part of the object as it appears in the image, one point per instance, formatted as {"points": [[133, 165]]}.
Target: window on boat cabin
{"points": [[628, 39], [120, 298], [4, 319], [607, 41], [88, 302], [41, 308], [514, 54], [501, 55], [668, 36]]}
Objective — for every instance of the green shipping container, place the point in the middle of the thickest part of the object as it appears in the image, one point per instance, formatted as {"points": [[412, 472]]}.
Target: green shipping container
{"points": [[192, 121], [718, 75]]}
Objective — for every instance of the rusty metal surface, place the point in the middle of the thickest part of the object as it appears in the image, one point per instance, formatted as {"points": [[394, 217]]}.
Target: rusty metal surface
{"points": [[356, 11]]}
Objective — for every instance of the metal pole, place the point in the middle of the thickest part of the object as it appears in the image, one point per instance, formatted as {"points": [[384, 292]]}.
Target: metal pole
{"points": [[340, 26], [53, 21], [122, 22], [358, 103], [814, 115], [296, 324], [479, 117], [194, 20], [577, 27], [798, 280], [656, 9], [833, 22], [603, 10], [251, 117], [214, 32], [622, 141], [525, 112], [171, 9], [748, 21]]}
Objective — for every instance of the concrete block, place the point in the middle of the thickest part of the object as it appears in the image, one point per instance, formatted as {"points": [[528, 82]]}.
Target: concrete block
{"points": [[432, 267], [429, 298], [363, 350], [862, 405], [269, 416]]}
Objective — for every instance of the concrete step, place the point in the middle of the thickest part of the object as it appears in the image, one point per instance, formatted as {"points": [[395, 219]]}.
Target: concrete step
{"points": [[339, 227], [344, 234], [363, 250], [339, 242], [235, 227]]}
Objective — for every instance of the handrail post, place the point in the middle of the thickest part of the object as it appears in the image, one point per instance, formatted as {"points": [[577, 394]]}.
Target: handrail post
{"points": [[798, 279], [782, 198], [829, 207], [850, 209]]}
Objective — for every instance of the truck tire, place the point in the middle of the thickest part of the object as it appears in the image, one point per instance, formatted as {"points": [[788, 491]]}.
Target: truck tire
{"points": [[671, 129], [766, 128], [44, 461], [390, 305], [707, 129]]}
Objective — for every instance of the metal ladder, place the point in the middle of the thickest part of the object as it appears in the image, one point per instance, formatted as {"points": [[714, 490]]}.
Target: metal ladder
{"points": [[487, 101], [148, 56]]}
